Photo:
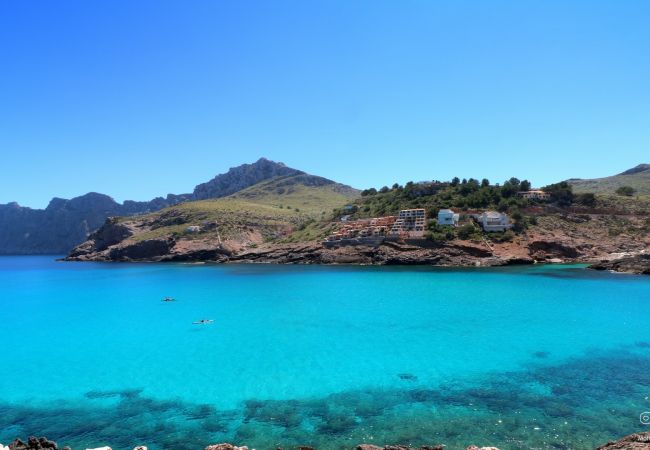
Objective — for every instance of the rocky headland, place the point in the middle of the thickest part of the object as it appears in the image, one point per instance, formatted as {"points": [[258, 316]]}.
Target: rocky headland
{"points": [[557, 238]]}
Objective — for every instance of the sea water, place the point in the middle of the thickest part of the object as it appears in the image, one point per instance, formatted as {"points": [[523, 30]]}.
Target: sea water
{"points": [[328, 356]]}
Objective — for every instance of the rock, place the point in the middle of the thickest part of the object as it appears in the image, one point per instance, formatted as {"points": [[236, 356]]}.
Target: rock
{"points": [[638, 264], [33, 443], [475, 447], [225, 446], [637, 441], [545, 250], [143, 250], [303, 447], [100, 448], [141, 447], [368, 447]]}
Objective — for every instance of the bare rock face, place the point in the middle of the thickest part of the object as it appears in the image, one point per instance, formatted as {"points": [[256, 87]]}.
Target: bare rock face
{"points": [[638, 264], [33, 443], [637, 441], [543, 250], [225, 446], [148, 249]]}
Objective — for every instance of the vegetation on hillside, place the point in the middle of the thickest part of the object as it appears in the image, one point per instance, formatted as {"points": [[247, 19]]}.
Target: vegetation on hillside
{"points": [[637, 179], [273, 208]]}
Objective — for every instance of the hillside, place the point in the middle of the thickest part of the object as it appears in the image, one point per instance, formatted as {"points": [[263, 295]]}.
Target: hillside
{"points": [[308, 193], [638, 178], [67, 223], [213, 229], [285, 219]]}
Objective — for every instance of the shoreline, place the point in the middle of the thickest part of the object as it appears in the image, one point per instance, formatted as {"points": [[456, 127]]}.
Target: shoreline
{"points": [[635, 441]]}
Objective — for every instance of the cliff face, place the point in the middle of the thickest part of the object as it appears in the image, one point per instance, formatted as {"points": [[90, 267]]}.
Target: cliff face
{"points": [[67, 223], [64, 223]]}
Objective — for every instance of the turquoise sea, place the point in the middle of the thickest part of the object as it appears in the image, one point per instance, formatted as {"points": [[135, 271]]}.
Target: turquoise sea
{"points": [[518, 357]]}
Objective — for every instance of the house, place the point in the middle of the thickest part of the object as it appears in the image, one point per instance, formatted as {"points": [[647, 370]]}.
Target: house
{"points": [[410, 223], [448, 217], [494, 221], [193, 229], [535, 194]]}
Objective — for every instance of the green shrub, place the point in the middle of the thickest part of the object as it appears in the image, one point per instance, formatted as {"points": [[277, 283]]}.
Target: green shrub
{"points": [[627, 191], [464, 232]]}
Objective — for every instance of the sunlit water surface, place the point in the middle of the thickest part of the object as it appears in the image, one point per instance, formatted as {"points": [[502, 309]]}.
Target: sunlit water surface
{"points": [[520, 357]]}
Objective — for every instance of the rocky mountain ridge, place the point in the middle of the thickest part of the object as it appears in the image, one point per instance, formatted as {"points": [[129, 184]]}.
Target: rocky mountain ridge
{"points": [[65, 223]]}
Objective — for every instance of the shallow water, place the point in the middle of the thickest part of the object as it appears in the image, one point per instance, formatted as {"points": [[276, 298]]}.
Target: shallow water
{"points": [[520, 357]]}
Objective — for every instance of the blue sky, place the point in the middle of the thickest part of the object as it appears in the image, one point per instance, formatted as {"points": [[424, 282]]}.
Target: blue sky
{"points": [[138, 99]]}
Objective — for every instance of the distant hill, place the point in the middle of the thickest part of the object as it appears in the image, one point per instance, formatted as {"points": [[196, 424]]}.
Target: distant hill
{"points": [[66, 223], [637, 177]]}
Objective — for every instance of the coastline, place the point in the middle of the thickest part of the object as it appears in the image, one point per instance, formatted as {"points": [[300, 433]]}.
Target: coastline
{"points": [[457, 254]]}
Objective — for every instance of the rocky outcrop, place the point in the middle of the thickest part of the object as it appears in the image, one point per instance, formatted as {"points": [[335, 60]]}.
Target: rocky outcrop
{"points": [[33, 443], [451, 254], [225, 446], [541, 250], [637, 441], [637, 264]]}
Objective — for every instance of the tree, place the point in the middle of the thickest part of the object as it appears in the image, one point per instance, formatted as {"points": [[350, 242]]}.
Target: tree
{"points": [[384, 189], [465, 231], [561, 193], [485, 182], [524, 185], [509, 189], [627, 191], [366, 192], [396, 186], [455, 181], [587, 199]]}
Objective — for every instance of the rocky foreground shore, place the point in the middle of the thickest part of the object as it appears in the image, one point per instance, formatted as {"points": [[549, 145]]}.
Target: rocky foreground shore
{"points": [[637, 441]]}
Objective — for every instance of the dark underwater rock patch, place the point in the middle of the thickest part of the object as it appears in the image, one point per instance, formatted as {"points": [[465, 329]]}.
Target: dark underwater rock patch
{"points": [[407, 376], [579, 403]]}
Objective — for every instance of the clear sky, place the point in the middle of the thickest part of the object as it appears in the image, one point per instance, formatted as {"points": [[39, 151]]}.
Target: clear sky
{"points": [[136, 99]]}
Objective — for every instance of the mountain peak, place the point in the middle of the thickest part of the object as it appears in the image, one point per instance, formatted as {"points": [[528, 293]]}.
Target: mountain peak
{"points": [[241, 177], [637, 169]]}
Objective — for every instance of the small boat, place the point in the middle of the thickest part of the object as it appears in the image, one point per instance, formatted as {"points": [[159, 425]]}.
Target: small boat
{"points": [[202, 322], [169, 299]]}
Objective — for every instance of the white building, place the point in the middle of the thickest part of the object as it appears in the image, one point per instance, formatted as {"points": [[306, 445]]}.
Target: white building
{"points": [[494, 221], [409, 223], [448, 217], [193, 229]]}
